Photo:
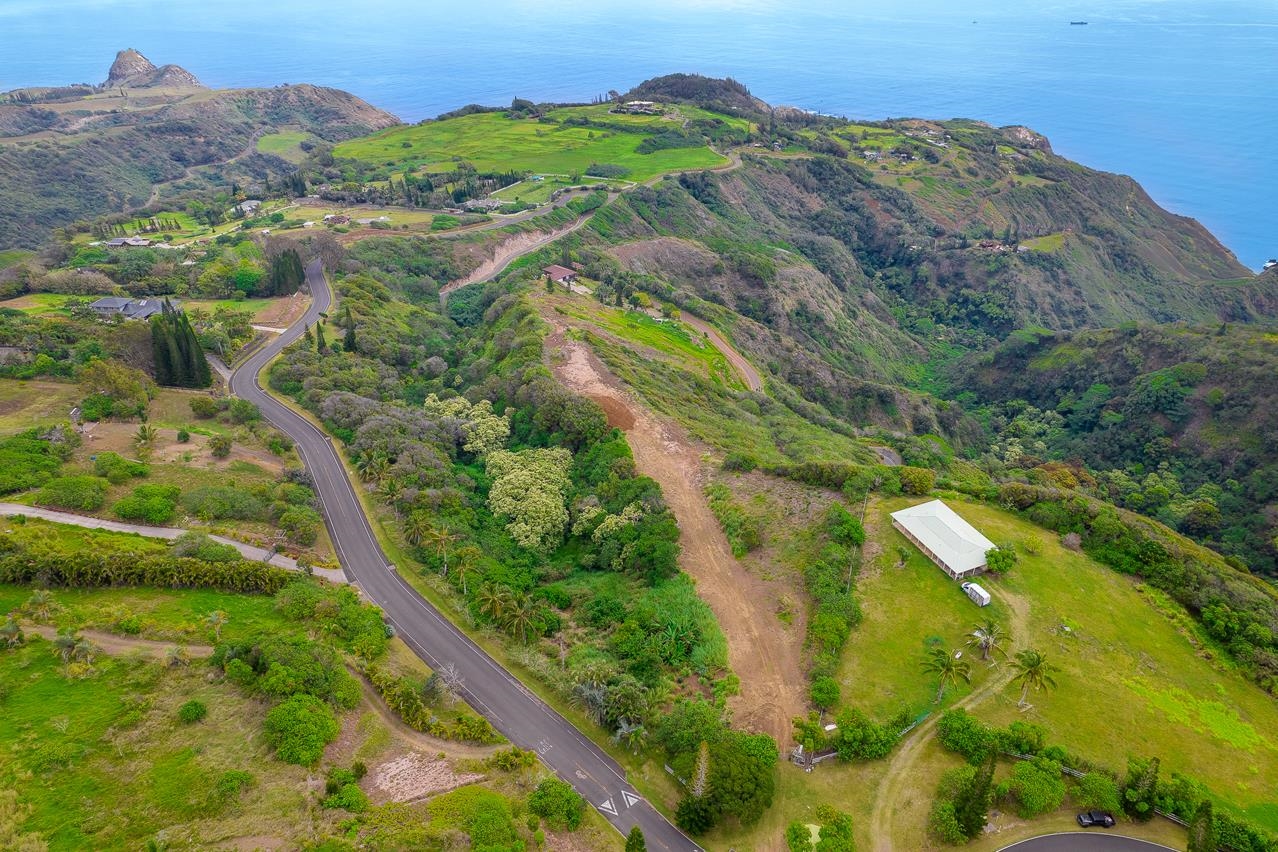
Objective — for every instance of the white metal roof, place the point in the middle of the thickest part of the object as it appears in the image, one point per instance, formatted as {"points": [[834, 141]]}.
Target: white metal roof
{"points": [[942, 531]]}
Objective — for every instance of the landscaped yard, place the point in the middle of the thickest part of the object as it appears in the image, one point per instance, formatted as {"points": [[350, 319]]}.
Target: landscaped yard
{"points": [[492, 142]]}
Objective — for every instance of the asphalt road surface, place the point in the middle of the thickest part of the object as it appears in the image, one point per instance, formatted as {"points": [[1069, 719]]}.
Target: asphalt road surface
{"points": [[1078, 841], [522, 717]]}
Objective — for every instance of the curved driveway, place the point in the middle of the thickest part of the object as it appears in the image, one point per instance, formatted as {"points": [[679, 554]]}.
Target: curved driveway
{"points": [[526, 720], [1080, 841]]}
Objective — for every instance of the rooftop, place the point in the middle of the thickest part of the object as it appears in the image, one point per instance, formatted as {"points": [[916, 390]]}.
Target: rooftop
{"points": [[940, 529]]}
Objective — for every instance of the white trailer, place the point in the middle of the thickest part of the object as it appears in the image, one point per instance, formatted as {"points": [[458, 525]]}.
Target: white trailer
{"points": [[979, 596]]}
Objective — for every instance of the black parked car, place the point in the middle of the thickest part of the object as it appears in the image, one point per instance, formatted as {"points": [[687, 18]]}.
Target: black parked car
{"points": [[1097, 819]]}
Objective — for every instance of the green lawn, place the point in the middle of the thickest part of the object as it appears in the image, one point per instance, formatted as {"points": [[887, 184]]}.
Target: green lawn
{"points": [[1119, 647], [539, 191], [1049, 243], [493, 142], [286, 145], [186, 225], [9, 257]]}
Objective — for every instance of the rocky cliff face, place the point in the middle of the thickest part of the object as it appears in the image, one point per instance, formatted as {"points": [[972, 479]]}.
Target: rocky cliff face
{"points": [[132, 69]]}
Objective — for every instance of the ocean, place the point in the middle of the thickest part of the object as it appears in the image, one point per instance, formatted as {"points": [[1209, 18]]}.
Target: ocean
{"points": [[1180, 94]]}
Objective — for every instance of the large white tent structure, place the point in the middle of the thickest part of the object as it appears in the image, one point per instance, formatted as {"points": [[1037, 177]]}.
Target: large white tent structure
{"points": [[948, 540]]}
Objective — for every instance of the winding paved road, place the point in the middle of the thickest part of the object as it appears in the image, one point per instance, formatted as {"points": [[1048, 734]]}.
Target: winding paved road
{"points": [[512, 708], [1078, 841]]}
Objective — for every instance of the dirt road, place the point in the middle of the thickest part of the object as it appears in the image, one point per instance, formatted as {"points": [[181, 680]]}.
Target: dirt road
{"points": [[114, 645], [766, 658], [744, 368]]}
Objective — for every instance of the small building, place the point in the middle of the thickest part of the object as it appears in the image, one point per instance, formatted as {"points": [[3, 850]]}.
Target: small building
{"points": [[560, 274], [128, 242], [956, 546], [485, 204], [1272, 263], [131, 309], [248, 208], [977, 594]]}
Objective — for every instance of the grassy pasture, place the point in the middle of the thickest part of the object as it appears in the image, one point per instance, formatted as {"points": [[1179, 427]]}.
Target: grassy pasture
{"points": [[1119, 646], [11, 257], [493, 142], [27, 404], [285, 144], [1049, 243]]}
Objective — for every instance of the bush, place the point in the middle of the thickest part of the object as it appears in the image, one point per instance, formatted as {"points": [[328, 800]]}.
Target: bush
{"points": [[85, 569], [242, 411], [204, 407], [1097, 791], [220, 446], [299, 728], [961, 732], [301, 524], [917, 480], [231, 783], [153, 504], [223, 502], [349, 797], [1000, 560], [824, 692], [192, 712], [558, 804], [117, 469], [1037, 786], [740, 462], [78, 493], [183, 436], [197, 545]]}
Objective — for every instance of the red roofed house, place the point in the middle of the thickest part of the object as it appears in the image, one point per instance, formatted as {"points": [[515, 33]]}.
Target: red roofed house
{"points": [[560, 274]]}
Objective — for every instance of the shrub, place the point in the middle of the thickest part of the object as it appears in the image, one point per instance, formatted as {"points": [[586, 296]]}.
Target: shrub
{"points": [[1037, 786], [299, 728], [154, 504], [79, 493], [183, 436], [1000, 560], [198, 545], [221, 502], [349, 797], [192, 712], [117, 469], [824, 692], [558, 804], [1098, 791], [242, 411], [231, 783], [916, 480], [740, 461], [961, 732], [204, 407], [301, 524], [220, 446]]}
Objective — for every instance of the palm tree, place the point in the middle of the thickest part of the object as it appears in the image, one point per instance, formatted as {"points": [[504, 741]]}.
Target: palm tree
{"points": [[948, 667], [176, 656], [217, 620], [987, 636], [85, 651], [439, 539], [40, 605], [1034, 672], [372, 467], [389, 493], [465, 563], [11, 633], [416, 527], [521, 616], [145, 436], [633, 734], [494, 601], [64, 643]]}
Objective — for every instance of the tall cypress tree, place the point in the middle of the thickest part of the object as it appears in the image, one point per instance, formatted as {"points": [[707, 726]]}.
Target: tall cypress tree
{"points": [[349, 343], [160, 352], [179, 358], [320, 345]]}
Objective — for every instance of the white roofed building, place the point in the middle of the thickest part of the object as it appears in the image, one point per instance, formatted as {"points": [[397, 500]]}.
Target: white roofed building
{"points": [[948, 540]]}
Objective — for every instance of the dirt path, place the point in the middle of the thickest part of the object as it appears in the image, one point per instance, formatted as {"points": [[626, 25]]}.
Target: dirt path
{"points": [[508, 251], [744, 368], [900, 771], [112, 644], [766, 658]]}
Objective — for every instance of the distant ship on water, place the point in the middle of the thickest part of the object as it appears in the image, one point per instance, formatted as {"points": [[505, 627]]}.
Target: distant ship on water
{"points": [[1078, 23]]}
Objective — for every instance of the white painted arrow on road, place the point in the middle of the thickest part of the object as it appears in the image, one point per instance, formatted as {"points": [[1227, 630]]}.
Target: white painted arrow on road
{"points": [[608, 807], [631, 798]]}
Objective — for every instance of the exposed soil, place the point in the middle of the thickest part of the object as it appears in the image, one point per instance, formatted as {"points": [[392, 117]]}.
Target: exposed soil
{"points": [[414, 776], [282, 313], [118, 438], [766, 657], [744, 368], [506, 252]]}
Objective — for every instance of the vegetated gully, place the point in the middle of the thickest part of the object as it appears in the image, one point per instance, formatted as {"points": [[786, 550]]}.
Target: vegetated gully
{"points": [[521, 716]]}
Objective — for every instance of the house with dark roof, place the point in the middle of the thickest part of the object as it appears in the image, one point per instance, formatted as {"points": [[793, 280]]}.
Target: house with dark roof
{"points": [[132, 309], [560, 274], [128, 242]]}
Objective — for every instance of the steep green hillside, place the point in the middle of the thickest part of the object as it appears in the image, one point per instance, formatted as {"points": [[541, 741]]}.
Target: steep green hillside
{"points": [[1177, 422], [77, 153]]}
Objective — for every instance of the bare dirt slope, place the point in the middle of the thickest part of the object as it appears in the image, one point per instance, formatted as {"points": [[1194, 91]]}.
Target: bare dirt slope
{"points": [[764, 656]]}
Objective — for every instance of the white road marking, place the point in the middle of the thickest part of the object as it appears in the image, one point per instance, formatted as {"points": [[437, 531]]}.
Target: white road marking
{"points": [[608, 807], [631, 798]]}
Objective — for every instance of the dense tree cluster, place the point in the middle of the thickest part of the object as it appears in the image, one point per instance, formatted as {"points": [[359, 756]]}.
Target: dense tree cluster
{"points": [[179, 358]]}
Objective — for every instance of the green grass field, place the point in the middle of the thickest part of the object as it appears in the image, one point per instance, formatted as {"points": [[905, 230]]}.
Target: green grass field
{"points": [[1119, 646], [1049, 243], [538, 192], [28, 404], [492, 142], [186, 224], [9, 257], [285, 145], [105, 764]]}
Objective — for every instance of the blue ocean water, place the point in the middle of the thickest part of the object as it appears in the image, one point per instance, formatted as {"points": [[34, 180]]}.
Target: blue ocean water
{"points": [[1180, 94]]}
